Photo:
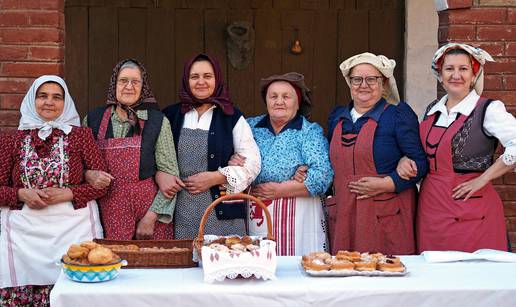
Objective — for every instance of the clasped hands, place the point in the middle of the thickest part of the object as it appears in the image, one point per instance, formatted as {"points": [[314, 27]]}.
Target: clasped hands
{"points": [[41, 198]]}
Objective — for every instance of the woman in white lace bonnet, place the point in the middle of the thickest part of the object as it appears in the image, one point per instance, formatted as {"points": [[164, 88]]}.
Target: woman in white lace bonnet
{"points": [[458, 207]]}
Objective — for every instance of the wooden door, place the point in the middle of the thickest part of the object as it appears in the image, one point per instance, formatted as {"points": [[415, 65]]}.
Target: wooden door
{"points": [[163, 34]]}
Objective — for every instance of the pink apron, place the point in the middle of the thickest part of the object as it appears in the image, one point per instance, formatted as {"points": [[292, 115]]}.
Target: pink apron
{"points": [[444, 223], [128, 198], [384, 223]]}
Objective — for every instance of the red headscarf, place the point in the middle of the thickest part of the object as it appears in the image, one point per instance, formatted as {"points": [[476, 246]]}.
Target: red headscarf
{"points": [[220, 95]]}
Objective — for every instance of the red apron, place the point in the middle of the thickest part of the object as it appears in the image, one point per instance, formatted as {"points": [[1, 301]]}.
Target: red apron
{"points": [[444, 223], [128, 198], [384, 223]]}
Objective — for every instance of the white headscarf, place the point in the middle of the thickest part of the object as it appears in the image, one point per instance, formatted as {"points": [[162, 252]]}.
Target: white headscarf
{"points": [[30, 119], [380, 62], [478, 54]]}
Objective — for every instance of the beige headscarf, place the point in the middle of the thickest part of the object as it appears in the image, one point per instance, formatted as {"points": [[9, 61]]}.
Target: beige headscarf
{"points": [[477, 54], [380, 62]]}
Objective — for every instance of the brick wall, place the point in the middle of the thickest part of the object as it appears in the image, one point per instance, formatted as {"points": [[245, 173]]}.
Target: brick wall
{"points": [[491, 25], [31, 44]]}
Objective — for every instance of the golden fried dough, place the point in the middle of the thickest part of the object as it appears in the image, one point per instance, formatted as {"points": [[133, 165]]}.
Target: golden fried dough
{"points": [[100, 255], [77, 251], [89, 244]]}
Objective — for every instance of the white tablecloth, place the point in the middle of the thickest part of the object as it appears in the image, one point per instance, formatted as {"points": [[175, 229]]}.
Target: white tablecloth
{"points": [[473, 283]]}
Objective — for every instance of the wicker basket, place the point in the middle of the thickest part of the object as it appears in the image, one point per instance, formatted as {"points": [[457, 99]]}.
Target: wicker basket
{"points": [[157, 258], [199, 241]]}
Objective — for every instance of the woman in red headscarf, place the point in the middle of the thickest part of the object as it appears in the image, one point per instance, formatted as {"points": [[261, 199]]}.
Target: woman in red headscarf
{"points": [[207, 130], [459, 208], [137, 143]]}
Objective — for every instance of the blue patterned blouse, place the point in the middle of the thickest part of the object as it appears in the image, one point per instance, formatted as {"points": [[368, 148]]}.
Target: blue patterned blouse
{"points": [[299, 142]]}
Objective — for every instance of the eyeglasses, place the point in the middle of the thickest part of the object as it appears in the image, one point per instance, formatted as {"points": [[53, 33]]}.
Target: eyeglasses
{"points": [[124, 82], [370, 80]]}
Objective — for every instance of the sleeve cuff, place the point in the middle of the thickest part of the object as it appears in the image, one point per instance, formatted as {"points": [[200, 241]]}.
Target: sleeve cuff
{"points": [[163, 207]]}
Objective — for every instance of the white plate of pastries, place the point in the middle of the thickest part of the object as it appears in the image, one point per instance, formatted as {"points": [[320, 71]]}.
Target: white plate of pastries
{"points": [[352, 263]]}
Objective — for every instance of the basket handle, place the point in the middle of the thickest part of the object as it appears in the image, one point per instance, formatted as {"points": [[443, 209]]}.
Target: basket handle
{"points": [[200, 236]]}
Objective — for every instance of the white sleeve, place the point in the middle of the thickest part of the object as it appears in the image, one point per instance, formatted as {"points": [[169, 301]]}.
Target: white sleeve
{"points": [[502, 125], [240, 177]]}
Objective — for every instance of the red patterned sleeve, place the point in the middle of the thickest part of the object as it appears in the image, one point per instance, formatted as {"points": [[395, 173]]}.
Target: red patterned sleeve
{"points": [[8, 190], [91, 160]]}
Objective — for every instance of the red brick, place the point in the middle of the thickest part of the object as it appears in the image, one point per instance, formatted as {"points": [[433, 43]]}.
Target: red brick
{"points": [[493, 48], [32, 4], [14, 85], [12, 53], [508, 97], [7, 129], [458, 4], [475, 16], [510, 82], [494, 33], [502, 65], [510, 178], [31, 36], [510, 49], [511, 15], [11, 101], [454, 32], [493, 82], [510, 209], [48, 18], [13, 19], [507, 192], [47, 53], [9, 118], [31, 69]]}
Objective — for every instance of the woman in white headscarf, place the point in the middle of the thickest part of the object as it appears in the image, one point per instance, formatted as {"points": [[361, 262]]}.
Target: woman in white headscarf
{"points": [[373, 209], [458, 207], [46, 205]]}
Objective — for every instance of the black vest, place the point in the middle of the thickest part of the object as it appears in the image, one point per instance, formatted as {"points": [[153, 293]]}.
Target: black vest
{"points": [[220, 149], [150, 134]]}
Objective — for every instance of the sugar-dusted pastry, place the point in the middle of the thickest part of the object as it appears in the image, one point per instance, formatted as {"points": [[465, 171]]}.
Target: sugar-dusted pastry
{"points": [[232, 240], [246, 240], [365, 265], [348, 255], [337, 264], [100, 255], [77, 251], [317, 264], [391, 266]]}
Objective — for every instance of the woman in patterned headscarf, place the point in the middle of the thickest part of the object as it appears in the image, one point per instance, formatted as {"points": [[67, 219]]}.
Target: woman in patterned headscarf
{"points": [[137, 144], [208, 129], [458, 207], [373, 209], [46, 204]]}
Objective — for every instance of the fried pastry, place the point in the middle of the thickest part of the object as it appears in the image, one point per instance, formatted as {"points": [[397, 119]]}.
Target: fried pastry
{"points": [[336, 264], [232, 240], [100, 255], [317, 264], [77, 251], [89, 244], [365, 265]]}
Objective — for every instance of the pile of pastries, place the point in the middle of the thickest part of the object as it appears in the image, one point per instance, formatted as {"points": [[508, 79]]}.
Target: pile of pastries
{"points": [[235, 244], [352, 260], [90, 253]]}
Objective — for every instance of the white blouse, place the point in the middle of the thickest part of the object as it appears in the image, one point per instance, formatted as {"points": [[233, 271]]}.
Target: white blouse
{"points": [[497, 122], [238, 177]]}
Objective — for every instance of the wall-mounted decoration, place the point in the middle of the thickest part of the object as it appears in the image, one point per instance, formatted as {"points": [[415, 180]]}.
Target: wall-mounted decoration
{"points": [[296, 45], [240, 44]]}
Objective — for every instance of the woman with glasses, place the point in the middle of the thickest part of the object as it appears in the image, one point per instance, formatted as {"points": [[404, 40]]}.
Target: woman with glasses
{"points": [[459, 208], [373, 209], [208, 129], [137, 143]]}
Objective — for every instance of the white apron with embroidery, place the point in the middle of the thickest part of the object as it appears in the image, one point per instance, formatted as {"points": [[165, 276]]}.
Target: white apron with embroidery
{"points": [[298, 223], [32, 241]]}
